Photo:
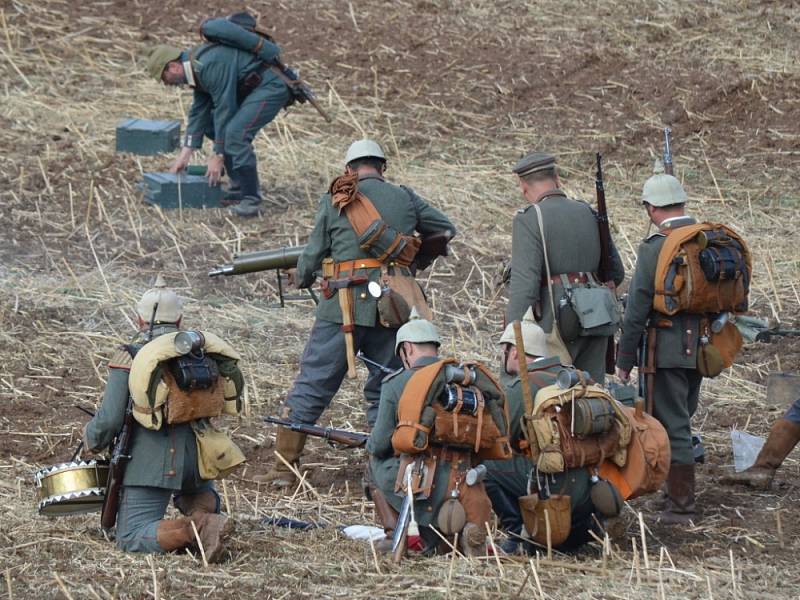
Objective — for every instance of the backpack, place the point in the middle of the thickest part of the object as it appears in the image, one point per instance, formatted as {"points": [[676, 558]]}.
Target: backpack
{"points": [[470, 415], [581, 426], [167, 386], [648, 457], [703, 268]]}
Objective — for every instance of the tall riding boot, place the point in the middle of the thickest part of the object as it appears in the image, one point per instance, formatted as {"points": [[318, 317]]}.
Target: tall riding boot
{"points": [[290, 446], [190, 504], [247, 177], [212, 530], [473, 540], [233, 195], [679, 506], [783, 437], [174, 534]]}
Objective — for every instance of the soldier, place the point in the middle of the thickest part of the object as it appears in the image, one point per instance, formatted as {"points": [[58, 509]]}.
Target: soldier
{"points": [[507, 480], [164, 457], [325, 359], [235, 95], [676, 388], [418, 346], [783, 437], [572, 246]]}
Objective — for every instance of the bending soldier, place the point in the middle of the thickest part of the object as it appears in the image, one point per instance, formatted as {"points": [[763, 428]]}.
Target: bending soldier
{"points": [[783, 437], [367, 282], [420, 433], [563, 232], [509, 480], [235, 96], [170, 430]]}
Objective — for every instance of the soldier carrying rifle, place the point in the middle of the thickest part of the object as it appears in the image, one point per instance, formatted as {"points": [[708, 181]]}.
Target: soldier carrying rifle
{"points": [[239, 86]]}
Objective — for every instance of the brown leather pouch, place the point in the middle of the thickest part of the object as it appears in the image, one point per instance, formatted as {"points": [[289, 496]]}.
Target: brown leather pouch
{"points": [[558, 509]]}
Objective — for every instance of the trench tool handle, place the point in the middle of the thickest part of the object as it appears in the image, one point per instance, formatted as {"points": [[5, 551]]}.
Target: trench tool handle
{"points": [[527, 396]]}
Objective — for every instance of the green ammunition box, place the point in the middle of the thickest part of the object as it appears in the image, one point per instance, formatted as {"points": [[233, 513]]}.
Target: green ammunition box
{"points": [[170, 190], [140, 136], [626, 394]]}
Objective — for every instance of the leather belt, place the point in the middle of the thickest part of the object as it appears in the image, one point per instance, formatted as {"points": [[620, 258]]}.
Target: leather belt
{"points": [[580, 277], [348, 266]]}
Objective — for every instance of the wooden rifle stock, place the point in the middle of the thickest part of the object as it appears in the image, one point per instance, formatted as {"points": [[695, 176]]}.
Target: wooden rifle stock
{"points": [[605, 251], [116, 472]]}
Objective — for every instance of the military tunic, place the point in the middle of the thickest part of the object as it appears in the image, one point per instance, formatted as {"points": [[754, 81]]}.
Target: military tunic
{"points": [[507, 480], [324, 364], [677, 381], [218, 110], [163, 463], [573, 246]]}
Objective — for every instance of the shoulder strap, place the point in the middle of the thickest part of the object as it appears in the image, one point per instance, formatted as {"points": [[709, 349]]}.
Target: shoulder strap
{"points": [[546, 264]]}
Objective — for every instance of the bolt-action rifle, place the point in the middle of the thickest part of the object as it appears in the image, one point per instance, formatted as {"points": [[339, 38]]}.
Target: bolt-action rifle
{"points": [[121, 453], [605, 250], [350, 439], [668, 169]]}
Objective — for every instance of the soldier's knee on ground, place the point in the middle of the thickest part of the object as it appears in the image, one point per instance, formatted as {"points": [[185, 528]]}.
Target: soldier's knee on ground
{"points": [[206, 501]]}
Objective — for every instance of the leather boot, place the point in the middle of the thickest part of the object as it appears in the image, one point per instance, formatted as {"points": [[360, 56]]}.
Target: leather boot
{"points": [[174, 534], [190, 504], [783, 437], [387, 517], [249, 206], [289, 445], [212, 530], [679, 507]]}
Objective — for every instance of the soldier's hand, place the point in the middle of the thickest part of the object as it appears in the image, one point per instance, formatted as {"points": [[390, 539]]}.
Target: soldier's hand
{"points": [[624, 376], [214, 171], [291, 277], [180, 163], [86, 448]]}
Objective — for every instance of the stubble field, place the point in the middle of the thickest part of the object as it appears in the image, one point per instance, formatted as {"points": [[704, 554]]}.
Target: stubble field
{"points": [[456, 92]]}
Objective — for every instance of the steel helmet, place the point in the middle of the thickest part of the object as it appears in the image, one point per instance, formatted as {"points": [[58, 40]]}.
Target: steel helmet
{"points": [[170, 305], [533, 336], [417, 331], [158, 59], [662, 189], [363, 149]]}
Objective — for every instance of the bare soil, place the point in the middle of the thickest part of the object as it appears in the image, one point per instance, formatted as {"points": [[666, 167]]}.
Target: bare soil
{"points": [[456, 92]]}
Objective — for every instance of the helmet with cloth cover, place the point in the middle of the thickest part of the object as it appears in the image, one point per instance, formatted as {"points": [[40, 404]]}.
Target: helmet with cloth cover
{"points": [[662, 189], [364, 149], [533, 336], [170, 305], [417, 331]]}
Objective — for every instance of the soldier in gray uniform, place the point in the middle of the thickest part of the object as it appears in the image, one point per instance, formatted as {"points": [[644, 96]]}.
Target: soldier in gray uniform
{"points": [[677, 380], [163, 464], [235, 96], [572, 243], [324, 363]]}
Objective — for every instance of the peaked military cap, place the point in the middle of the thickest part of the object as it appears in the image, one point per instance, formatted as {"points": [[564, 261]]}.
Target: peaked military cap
{"points": [[533, 163]]}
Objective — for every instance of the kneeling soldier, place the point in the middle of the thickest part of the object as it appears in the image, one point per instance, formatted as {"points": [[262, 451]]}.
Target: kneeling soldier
{"points": [[436, 420], [510, 483], [161, 391]]}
